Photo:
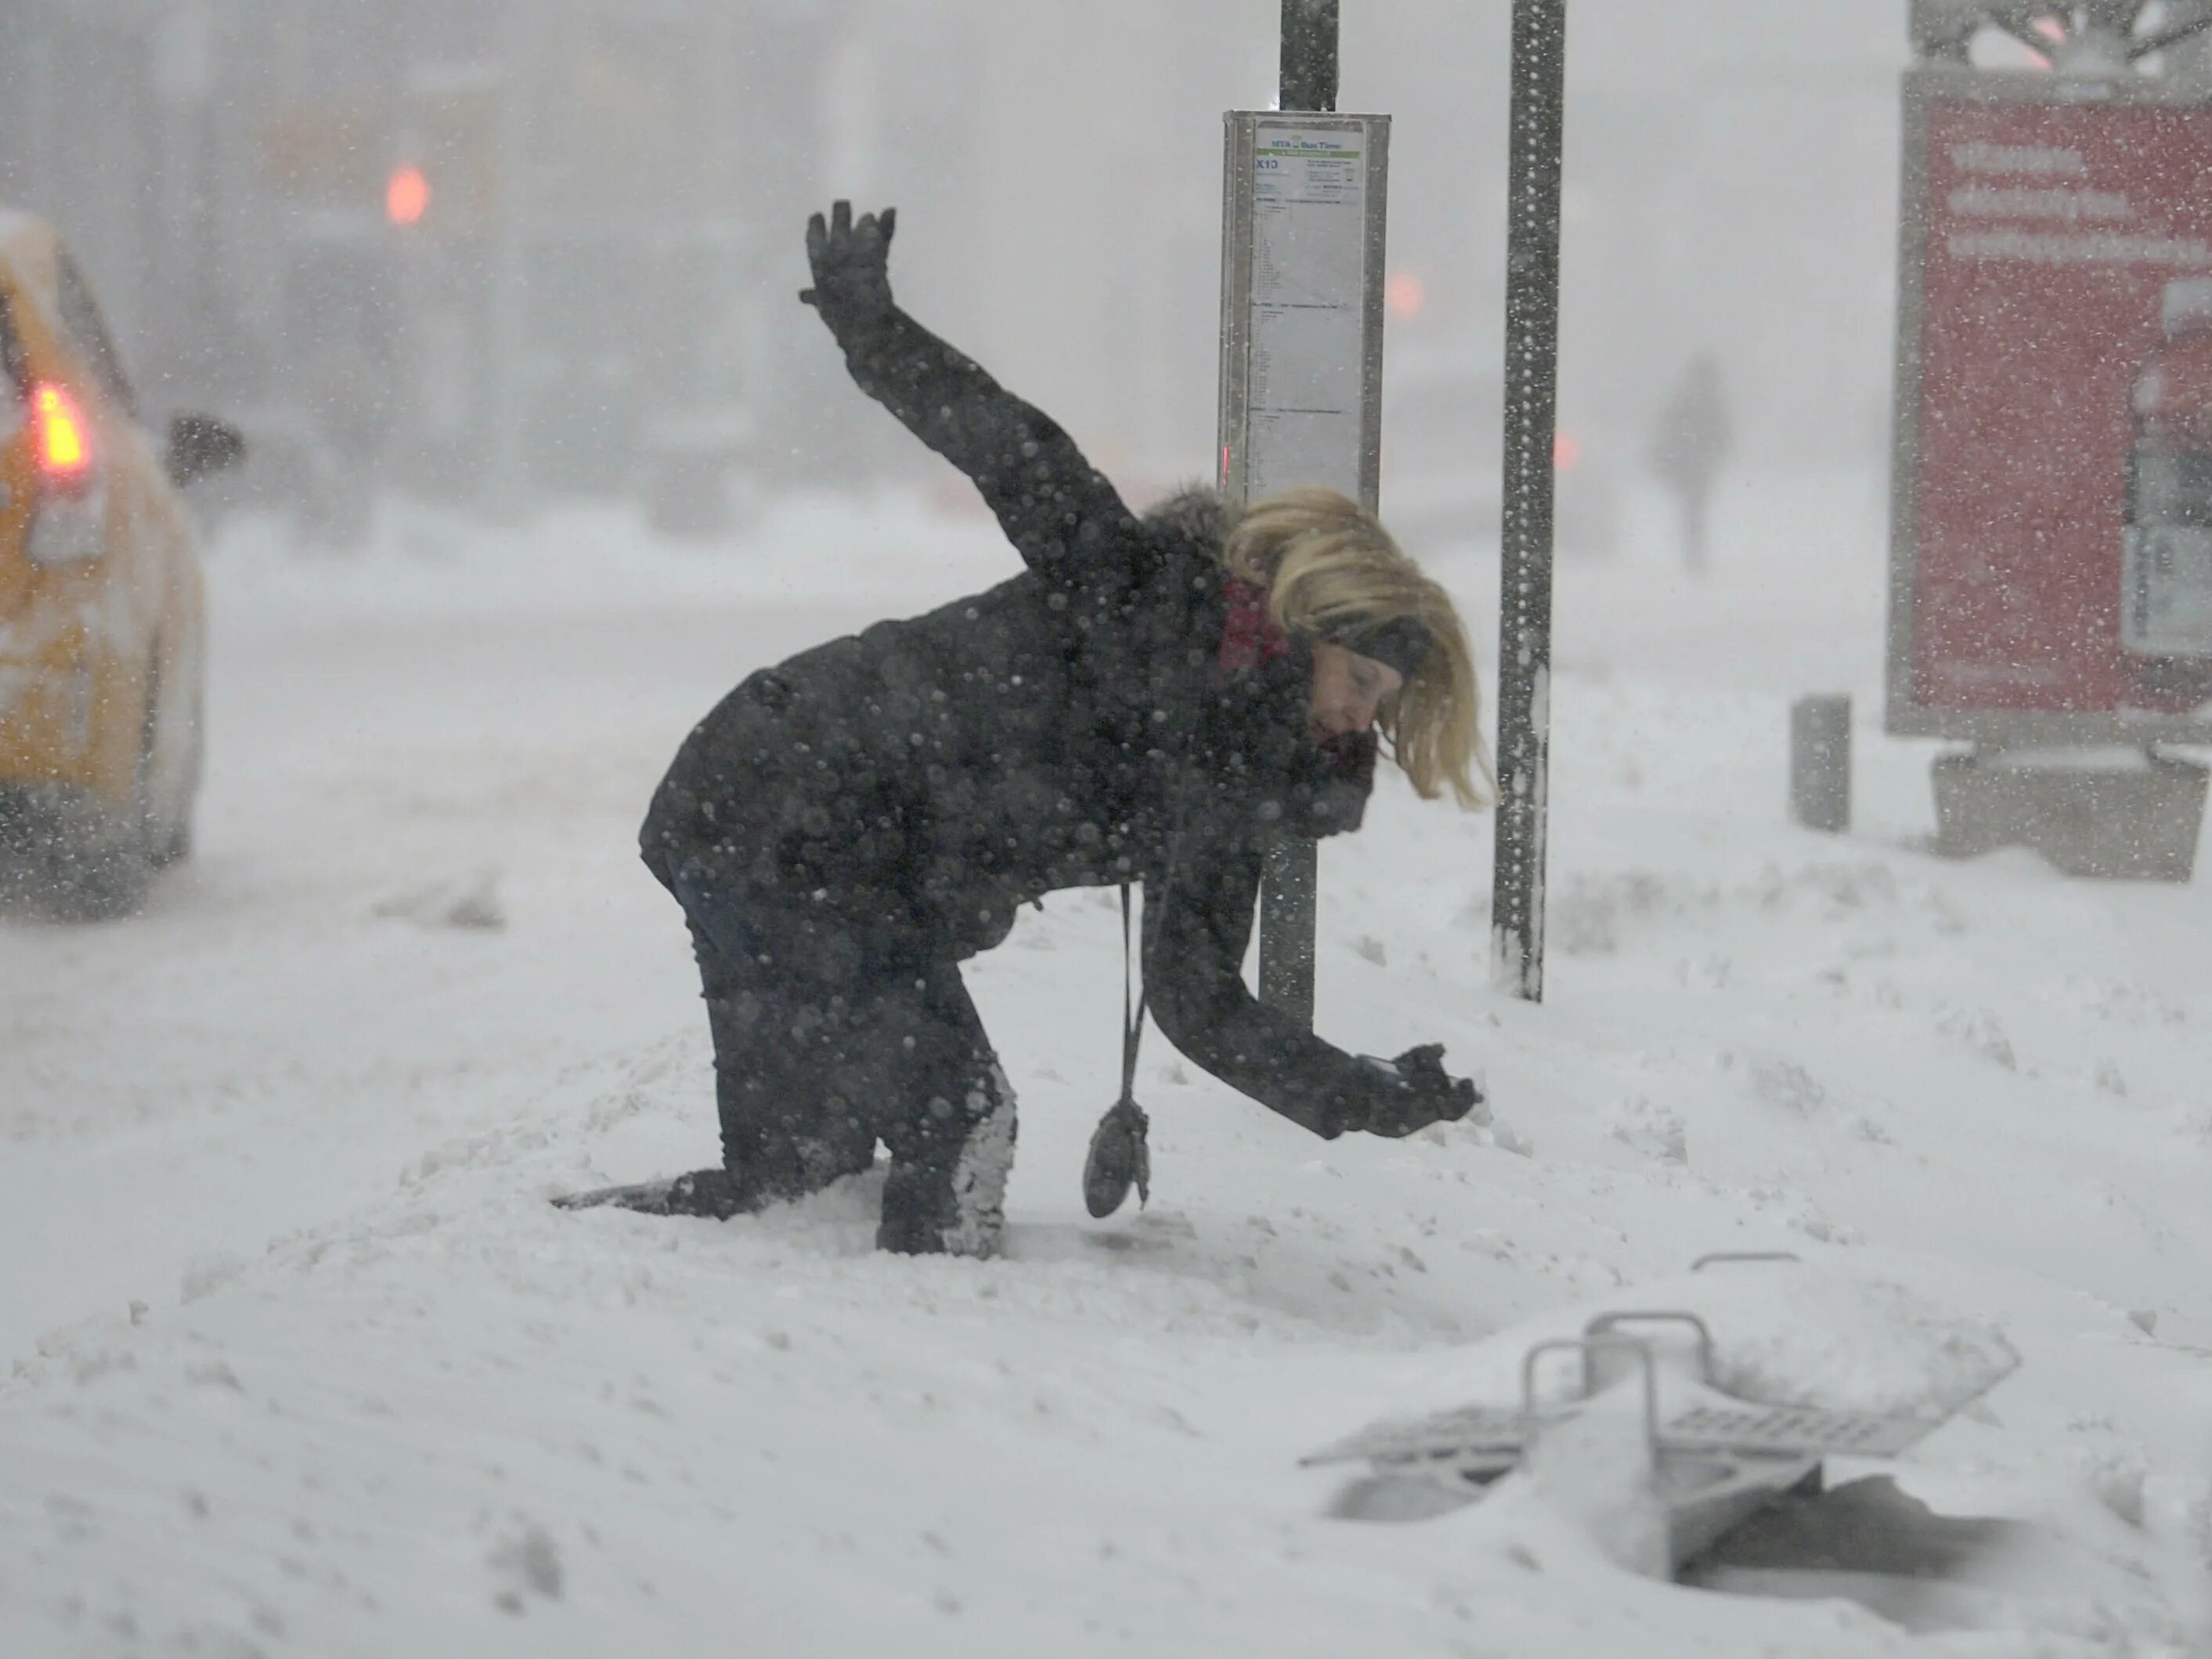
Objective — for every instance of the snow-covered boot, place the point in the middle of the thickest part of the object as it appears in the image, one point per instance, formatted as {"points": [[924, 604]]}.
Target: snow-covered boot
{"points": [[714, 1194], [709, 1193], [946, 1191]]}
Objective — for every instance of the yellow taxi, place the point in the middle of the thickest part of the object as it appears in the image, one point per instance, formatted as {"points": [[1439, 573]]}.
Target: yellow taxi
{"points": [[102, 626]]}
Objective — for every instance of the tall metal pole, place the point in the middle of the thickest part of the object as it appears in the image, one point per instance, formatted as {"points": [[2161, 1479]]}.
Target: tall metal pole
{"points": [[1291, 870], [506, 482], [1307, 76], [1532, 356]]}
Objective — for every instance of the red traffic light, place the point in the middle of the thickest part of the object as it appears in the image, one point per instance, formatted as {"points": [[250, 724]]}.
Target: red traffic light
{"points": [[407, 197]]}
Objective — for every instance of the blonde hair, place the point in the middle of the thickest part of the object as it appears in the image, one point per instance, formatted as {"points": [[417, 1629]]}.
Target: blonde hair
{"points": [[1330, 571]]}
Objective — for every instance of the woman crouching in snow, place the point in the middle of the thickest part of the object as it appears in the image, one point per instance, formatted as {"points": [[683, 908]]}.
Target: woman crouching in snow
{"points": [[1149, 702]]}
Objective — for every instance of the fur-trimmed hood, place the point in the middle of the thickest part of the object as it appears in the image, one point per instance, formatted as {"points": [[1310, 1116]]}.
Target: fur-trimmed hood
{"points": [[1194, 512]]}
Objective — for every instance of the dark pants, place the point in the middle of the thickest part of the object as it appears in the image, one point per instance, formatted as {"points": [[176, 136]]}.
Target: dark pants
{"points": [[829, 1036]]}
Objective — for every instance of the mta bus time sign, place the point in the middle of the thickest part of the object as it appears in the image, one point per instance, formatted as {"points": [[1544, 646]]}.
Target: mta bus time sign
{"points": [[2051, 564]]}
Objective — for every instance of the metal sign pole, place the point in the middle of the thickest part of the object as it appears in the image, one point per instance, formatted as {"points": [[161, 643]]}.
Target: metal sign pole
{"points": [[505, 475], [1308, 75], [1524, 648], [1290, 879]]}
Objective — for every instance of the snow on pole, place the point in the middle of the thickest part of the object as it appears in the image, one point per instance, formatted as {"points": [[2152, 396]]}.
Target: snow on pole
{"points": [[1289, 890], [1532, 340], [1307, 79]]}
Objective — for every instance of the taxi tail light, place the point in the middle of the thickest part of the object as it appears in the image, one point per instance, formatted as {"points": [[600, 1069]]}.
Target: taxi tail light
{"points": [[63, 438], [69, 523]]}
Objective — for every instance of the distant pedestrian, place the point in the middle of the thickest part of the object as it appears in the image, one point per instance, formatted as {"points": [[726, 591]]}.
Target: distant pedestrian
{"points": [[1690, 449]]}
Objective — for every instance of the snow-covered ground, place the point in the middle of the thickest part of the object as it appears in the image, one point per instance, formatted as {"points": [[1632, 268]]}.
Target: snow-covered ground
{"points": [[306, 1364]]}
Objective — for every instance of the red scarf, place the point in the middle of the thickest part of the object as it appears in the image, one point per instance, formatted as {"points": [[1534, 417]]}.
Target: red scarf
{"points": [[1252, 636]]}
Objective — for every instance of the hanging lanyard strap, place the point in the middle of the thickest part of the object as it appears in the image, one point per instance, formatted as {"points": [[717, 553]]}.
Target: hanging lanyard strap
{"points": [[1133, 1009]]}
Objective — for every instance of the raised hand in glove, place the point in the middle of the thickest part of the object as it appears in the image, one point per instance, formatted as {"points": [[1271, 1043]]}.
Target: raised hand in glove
{"points": [[851, 262], [1422, 1094]]}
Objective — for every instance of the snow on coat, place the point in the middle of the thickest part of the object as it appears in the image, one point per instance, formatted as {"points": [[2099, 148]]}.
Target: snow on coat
{"points": [[1073, 727]]}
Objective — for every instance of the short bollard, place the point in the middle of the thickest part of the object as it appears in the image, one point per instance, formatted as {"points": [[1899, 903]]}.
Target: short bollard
{"points": [[1820, 762]]}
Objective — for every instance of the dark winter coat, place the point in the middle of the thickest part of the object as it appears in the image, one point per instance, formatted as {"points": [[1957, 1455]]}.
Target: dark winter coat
{"points": [[1073, 726]]}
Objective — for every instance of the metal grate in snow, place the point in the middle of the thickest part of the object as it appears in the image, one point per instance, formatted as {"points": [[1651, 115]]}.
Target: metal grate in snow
{"points": [[1479, 1441], [1807, 1431], [1481, 1432], [1473, 1431]]}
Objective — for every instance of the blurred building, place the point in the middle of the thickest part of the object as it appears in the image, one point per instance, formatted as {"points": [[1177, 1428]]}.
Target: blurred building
{"points": [[601, 276], [509, 246]]}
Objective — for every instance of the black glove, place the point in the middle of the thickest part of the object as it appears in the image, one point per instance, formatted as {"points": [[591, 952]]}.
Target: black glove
{"points": [[1119, 1159], [850, 264], [1424, 1094]]}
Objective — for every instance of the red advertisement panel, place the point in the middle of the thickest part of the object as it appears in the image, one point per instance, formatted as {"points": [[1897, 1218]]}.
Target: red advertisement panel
{"points": [[2060, 467]]}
